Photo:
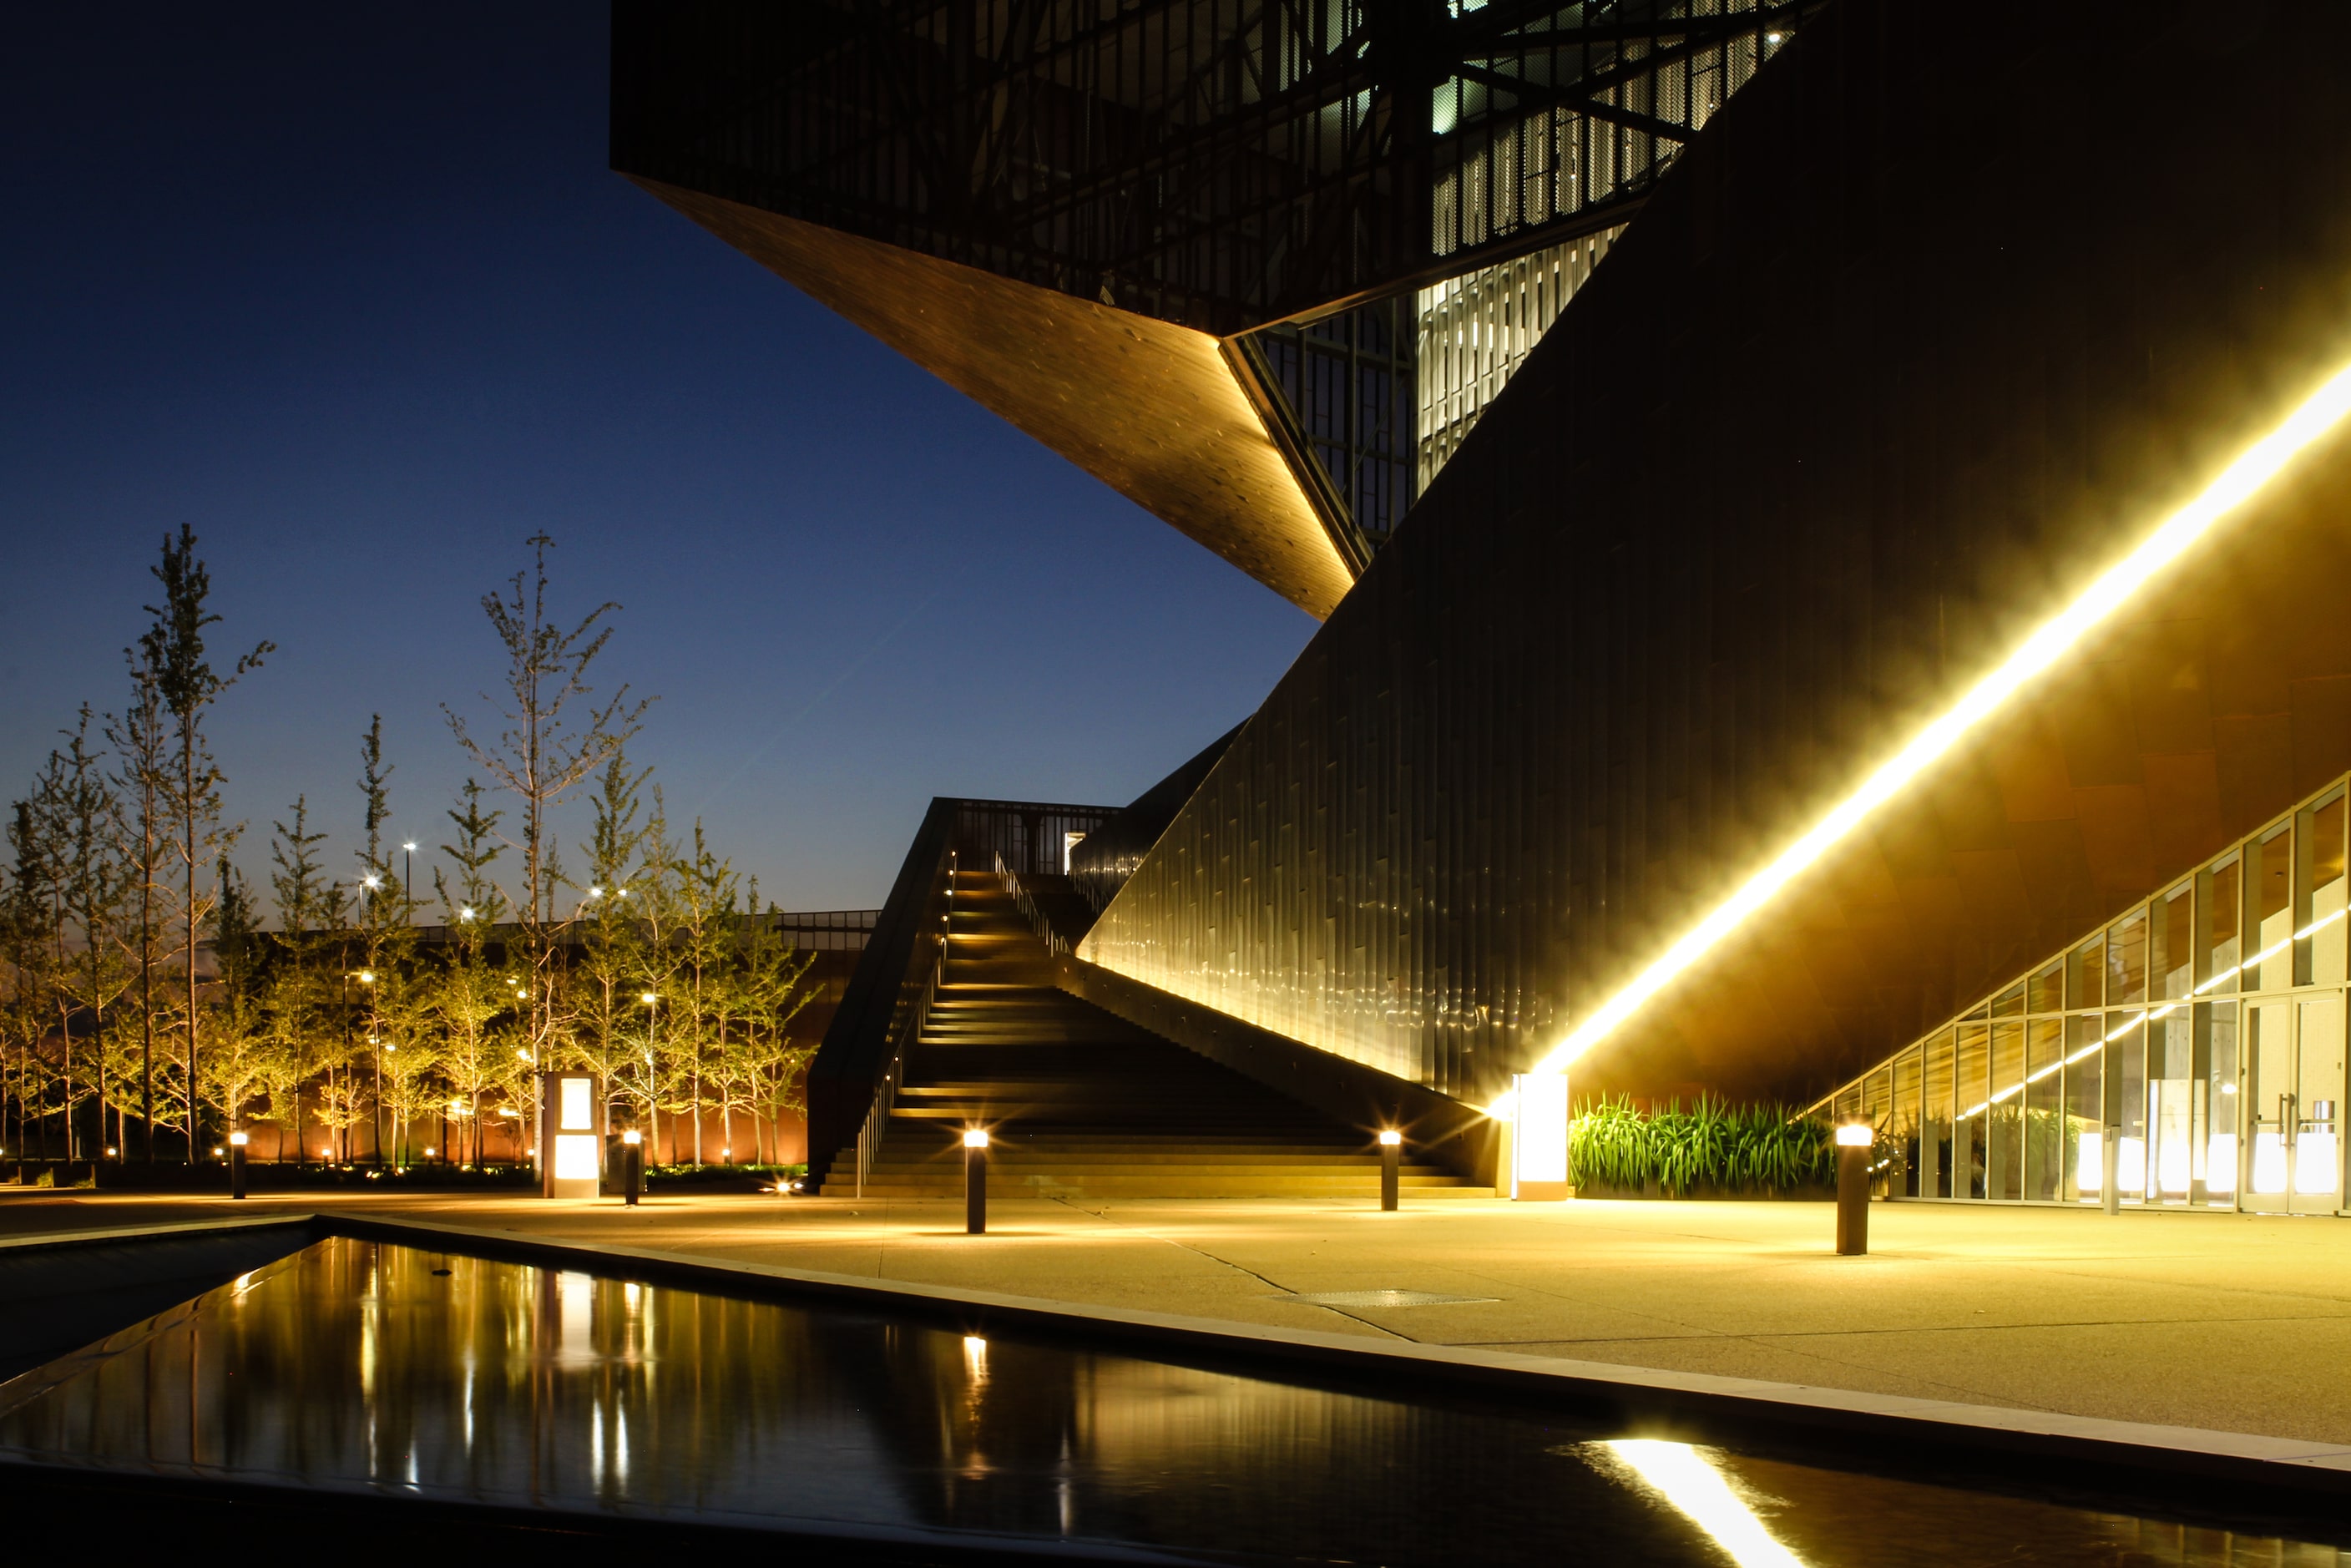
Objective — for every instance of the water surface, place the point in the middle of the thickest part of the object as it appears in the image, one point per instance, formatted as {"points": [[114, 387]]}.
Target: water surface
{"points": [[362, 1366]]}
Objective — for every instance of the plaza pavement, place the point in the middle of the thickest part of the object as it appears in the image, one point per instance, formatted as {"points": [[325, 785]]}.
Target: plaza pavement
{"points": [[2228, 1321]]}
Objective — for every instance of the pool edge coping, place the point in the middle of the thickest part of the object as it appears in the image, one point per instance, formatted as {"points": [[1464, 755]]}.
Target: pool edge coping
{"points": [[1992, 1432]]}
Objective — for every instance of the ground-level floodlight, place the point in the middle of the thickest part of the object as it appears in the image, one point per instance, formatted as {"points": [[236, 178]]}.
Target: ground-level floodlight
{"points": [[236, 1165], [974, 1182], [1391, 1163], [1853, 1144], [632, 1167]]}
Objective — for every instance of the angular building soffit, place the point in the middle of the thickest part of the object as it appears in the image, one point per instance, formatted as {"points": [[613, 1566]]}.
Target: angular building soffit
{"points": [[2224, 517], [1151, 409]]}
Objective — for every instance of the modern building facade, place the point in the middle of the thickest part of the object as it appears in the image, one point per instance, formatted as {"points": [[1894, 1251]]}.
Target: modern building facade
{"points": [[1711, 434]]}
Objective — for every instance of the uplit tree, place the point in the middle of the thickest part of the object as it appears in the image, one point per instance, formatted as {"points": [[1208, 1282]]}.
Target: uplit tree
{"points": [[141, 744], [552, 735], [173, 648]]}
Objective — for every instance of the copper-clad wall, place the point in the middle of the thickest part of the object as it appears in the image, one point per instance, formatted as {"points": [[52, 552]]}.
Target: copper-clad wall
{"points": [[1913, 341]]}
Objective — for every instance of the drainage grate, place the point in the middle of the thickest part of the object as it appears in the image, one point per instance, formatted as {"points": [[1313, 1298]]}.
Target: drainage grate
{"points": [[1378, 1299]]}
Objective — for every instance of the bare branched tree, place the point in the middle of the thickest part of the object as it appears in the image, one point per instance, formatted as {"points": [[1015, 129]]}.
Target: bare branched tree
{"points": [[544, 749]]}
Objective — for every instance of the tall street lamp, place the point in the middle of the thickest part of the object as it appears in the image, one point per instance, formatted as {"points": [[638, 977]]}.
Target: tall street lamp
{"points": [[408, 874], [653, 1071]]}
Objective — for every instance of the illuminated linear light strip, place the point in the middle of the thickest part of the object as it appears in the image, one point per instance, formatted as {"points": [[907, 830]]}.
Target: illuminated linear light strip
{"points": [[1683, 1478], [2237, 483], [2167, 1009]]}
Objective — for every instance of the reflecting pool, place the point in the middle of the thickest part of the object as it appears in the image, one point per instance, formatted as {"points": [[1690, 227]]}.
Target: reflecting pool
{"points": [[359, 1366]]}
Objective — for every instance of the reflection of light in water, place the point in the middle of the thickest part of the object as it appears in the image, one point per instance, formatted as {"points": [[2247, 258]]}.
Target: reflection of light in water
{"points": [[1684, 1478], [975, 1357]]}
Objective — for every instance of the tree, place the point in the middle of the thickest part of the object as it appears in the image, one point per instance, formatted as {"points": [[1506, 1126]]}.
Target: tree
{"points": [[140, 740], [237, 1069], [28, 910], [604, 978], [79, 820], [385, 919], [307, 909], [706, 950], [469, 992], [542, 752], [173, 648]]}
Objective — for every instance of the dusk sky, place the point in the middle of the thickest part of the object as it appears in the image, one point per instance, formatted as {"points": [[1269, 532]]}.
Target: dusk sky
{"points": [[357, 297]]}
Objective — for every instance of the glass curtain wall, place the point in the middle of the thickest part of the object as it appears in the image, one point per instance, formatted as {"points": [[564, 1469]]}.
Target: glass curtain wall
{"points": [[2192, 1050]]}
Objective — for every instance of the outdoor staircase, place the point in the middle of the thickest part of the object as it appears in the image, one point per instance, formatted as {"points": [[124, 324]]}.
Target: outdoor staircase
{"points": [[1081, 1104]]}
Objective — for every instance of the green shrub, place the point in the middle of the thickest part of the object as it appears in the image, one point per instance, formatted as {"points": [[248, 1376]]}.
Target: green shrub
{"points": [[1711, 1144]]}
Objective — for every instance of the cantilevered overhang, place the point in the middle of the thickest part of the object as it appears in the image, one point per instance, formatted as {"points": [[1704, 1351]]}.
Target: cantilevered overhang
{"points": [[1679, 596], [1153, 410]]}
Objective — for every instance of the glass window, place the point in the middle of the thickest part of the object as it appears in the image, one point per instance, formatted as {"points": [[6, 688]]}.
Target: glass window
{"points": [[2085, 1109], [2010, 1003], [2085, 974], [2269, 910], [2218, 1023], [1971, 1089], [2171, 1104], [2318, 895], [2216, 916], [2126, 1063], [1936, 1132], [2127, 961], [2045, 992], [1903, 1121], [2004, 1117], [2045, 1084], [2171, 944]]}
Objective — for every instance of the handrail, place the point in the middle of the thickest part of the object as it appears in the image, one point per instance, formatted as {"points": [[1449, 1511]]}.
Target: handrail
{"points": [[909, 1029], [1028, 907]]}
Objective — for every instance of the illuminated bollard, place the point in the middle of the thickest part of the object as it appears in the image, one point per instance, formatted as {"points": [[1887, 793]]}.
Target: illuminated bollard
{"points": [[236, 1165], [1390, 1165], [1852, 1142], [632, 1167], [974, 1182]]}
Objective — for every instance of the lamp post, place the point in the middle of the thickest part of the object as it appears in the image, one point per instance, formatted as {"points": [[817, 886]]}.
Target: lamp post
{"points": [[1391, 1167], [974, 1182], [375, 1053], [1853, 1144], [236, 1165], [653, 1070], [408, 875]]}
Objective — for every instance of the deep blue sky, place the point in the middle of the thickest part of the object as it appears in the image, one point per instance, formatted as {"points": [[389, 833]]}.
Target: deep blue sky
{"points": [[358, 298]]}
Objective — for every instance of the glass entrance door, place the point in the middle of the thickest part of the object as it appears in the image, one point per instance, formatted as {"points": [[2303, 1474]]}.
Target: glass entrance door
{"points": [[2294, 1105]]}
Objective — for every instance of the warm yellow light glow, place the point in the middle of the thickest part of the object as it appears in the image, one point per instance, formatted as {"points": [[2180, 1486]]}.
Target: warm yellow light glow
{"points": [[632, 1137], [647, 997], [367, 977], [976, 1138], [1390, 1138], [1855, 1136], [2242, 480], [1683, 1477]]}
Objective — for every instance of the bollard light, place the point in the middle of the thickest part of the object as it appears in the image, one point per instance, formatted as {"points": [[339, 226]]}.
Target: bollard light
{"points": [[1854, 1141], [236, 1142], [632, 1167], [975, 1181], [1391, 1165]]}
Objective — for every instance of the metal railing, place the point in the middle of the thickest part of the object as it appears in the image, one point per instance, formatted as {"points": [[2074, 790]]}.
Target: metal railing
{"points": [[908, 1030], [1028, 907]]}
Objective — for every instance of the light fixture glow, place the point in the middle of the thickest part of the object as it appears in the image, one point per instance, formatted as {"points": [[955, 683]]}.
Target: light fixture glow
{"points": [[632, 1137], [648, 999], [976, 1138], [2238, 483], [1855, 1136], [236, 1141], [1682, 1476], [1390, 1137], [409, 848]]}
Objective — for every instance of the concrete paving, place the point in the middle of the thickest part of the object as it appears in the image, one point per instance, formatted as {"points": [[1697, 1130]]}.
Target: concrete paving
{"points": [[2228, 1321]]}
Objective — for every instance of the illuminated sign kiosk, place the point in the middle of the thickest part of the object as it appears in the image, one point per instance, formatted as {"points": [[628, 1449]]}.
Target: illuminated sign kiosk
{"points": [[1538, 1151], [570, 1134]]}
